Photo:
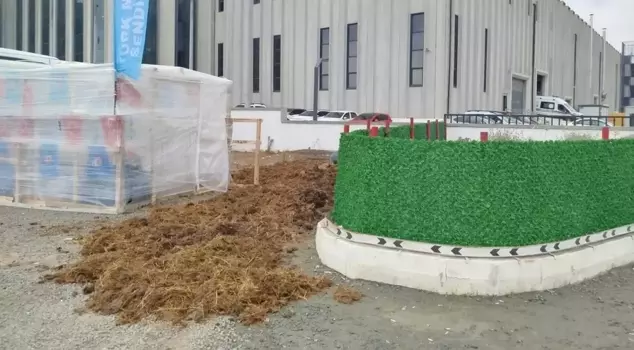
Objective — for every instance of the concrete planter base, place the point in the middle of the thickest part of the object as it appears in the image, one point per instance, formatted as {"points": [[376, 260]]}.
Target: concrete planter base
{"points": [[354, 256]]}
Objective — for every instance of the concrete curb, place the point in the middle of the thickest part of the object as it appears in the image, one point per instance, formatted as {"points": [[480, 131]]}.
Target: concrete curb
{"points": [[365, 257]]}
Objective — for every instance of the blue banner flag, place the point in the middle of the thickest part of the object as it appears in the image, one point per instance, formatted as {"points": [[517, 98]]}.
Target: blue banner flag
{"points": [[130, 24]]}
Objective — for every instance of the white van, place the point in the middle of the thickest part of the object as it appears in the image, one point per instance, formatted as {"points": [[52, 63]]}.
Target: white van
{"points": [[555, 106]]}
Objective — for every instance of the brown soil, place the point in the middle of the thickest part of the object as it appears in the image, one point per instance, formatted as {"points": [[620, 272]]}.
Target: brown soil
{"points": [[347, 295], [220, 257]]}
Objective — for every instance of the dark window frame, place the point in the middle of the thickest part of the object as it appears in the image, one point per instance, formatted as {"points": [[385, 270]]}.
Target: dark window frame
{"points": [[412, 50], [221, 5], [456, 47], [220, 64], [255, 2], [31, 26], [45, 29], [255, 68], [78, 32], [60, 31], [486, 59], [352, 74], [277, 63], [324, 46]]}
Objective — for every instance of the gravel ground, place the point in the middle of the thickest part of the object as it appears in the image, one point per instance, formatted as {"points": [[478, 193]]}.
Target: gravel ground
{"points": [[595, 315]]}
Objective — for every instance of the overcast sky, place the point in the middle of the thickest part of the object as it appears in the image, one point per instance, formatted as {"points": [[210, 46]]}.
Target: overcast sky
{"points": [[615, 15]]}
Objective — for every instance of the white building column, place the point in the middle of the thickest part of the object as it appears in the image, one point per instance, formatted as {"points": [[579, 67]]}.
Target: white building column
{"points": [[109, 31], [166, 32], [88, 30], [8, 22], [205, 41], [70, 25]]}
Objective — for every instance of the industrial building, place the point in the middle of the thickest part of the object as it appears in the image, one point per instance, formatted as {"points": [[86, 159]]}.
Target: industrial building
{"points": [[409, 58]]}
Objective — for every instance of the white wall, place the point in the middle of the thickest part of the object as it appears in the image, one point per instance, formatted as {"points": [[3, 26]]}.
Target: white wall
{"points": [[539, 133], [291, 136]]}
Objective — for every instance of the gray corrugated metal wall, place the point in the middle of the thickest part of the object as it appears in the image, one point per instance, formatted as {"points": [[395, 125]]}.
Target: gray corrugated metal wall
{"points": [[384, 53], [383, 45]]}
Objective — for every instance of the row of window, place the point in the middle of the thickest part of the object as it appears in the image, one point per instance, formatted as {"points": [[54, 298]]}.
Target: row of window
{"points": [[53, 24], [416, 56]]}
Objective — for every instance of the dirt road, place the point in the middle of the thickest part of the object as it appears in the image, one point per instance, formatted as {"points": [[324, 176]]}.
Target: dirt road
{"points": [[34, 315], [594, 315]]}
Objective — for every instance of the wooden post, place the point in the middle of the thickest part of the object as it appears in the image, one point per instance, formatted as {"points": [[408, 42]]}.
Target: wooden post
{"points": [[437, 136], [374, 132], [346, 129], [605, 133], [484, 136], [256, 161], [428, 130], [411, 128]]}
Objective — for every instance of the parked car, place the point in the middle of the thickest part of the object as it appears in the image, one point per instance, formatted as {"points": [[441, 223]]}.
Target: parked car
{"points": [[295, 111], [253, 105], [492, 117], [306, 116], [372, 117], [336, 116]]}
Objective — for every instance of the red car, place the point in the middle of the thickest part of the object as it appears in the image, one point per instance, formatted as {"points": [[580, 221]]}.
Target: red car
{"points": [[372, 117]]}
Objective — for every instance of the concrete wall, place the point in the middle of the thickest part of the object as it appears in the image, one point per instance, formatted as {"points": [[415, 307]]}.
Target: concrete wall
{"points": [[279, 134]]}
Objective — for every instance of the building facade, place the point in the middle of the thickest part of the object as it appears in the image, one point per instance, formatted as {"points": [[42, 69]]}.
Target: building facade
{"points": [[418, 58]]}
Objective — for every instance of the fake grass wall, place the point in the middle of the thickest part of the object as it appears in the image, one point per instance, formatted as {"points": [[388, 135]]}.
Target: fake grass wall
{"points": [[483, 194]]}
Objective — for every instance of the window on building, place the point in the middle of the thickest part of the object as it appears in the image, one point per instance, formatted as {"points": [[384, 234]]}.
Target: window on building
{"points": [[324, 55], [185, 34], [256, 65], [486, 59], [277, 63], [31, 26], [78, 31], [255, 2], [45, 28], [98, 29], [220, 70], [60, 30], [151, 34], [221, 5], [351, 63], [416, 49], [456, 37], [19, 24]]}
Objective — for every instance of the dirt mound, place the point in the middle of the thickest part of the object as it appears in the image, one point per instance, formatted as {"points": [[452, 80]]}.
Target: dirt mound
{"points": [[220, 257]]}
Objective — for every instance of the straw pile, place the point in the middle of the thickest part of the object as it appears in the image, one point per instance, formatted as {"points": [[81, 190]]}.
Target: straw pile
{"points": [[220, 257]]}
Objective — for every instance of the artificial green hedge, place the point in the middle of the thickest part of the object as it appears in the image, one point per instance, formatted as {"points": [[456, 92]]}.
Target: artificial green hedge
{"points": [[499, 193], [402, 131]]}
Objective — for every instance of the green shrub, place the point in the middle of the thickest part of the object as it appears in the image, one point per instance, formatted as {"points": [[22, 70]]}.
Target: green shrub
{"points": [[402, 131], [499, 193]]}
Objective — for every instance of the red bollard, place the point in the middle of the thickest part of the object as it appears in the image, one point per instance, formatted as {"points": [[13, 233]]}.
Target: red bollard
{"points": [[484, 136], [411, 128], [374, 132], [605, 133], [346, 129]]}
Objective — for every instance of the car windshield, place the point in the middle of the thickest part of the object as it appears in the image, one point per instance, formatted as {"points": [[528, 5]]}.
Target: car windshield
{"points": [[337, 115], [307, 113]]}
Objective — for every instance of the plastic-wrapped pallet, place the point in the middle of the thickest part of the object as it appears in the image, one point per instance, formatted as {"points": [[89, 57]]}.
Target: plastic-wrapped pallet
{"points": [[73, 137]]}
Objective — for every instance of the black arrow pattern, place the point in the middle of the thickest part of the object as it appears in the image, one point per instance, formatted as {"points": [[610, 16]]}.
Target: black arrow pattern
{"points": [[495, 252], [338, 232], [556, 246], [578, 241], [398, 244], [348, 235], [514, 251], [543, 249], [614, 233], [435, 249], [381, 241], [605, 234], [587, 239], [456, 251]]}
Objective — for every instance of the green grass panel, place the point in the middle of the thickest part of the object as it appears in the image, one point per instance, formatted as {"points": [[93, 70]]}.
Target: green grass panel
{"points": [[483, 194]]}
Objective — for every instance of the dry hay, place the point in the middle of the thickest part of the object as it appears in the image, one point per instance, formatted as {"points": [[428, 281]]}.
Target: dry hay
{"points": [[220, 257], [347, 295]]}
